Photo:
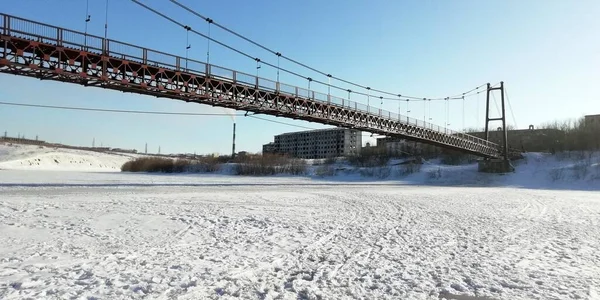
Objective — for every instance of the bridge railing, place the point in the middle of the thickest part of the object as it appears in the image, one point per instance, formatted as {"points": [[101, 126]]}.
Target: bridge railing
{"points": [[224, 73], [287, 89], [44, 33], [245, 78], [196, 67]]}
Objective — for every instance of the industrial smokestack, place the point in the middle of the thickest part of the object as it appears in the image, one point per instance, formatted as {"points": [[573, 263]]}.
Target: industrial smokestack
{"points": [[233, 145]]}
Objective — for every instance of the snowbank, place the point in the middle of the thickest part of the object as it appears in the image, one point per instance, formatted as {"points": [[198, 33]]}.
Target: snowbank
{"points": [[537, 170], [30, 157], [579, 171]]}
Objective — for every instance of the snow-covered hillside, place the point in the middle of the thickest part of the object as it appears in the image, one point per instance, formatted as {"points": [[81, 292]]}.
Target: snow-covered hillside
{"points": [[30, 157]]}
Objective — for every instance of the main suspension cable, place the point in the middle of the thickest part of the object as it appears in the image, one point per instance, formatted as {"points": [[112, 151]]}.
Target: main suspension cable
{"points": [[280, 55], [510, 108]]}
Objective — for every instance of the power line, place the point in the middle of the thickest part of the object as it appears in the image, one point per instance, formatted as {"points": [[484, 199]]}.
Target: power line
{"points": [[210, 21], [116, 110], [283, 123], [147, 112], [463, 114], [478, 110]]}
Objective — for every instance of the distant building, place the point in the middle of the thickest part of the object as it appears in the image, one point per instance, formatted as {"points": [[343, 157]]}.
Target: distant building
{"points": [[269, 148], [315, 144], [401, 147], [592, 120]]}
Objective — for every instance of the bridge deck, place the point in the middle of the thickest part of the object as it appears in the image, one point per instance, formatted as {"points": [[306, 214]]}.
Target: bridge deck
{"points": [[33, 49]]}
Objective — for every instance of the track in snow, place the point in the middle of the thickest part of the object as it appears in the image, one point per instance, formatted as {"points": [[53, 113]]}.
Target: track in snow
{"points": [[295, 240]]}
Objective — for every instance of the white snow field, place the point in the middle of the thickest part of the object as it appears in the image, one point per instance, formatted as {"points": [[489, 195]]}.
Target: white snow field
{"points": [[446, 232], [77, 235]]}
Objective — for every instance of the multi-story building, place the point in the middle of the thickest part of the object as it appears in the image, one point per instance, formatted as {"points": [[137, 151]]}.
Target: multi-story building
{"points": [[322, 143]]}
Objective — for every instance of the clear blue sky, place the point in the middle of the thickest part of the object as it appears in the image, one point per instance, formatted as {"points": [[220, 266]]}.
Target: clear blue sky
{"points": [[546, 51]]}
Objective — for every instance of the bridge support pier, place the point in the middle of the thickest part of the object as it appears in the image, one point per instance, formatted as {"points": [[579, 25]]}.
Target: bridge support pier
{"points": [[495, 166]]}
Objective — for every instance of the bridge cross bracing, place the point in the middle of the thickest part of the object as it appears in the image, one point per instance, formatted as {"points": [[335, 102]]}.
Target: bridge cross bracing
{"points": [[34, 49]]}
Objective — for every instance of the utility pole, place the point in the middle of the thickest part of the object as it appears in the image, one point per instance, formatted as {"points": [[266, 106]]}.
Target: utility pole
{"points": [[146, 149], [94, 143], [158, 149]]}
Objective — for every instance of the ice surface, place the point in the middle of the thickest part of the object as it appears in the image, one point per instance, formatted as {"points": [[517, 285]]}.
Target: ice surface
{"points": [[131, 236]]}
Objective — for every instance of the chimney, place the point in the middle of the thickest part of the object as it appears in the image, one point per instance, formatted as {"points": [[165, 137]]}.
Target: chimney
{"points": [[233, 145]]}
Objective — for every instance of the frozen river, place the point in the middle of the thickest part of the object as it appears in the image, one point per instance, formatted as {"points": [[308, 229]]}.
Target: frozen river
{"points": [[120, 236]]}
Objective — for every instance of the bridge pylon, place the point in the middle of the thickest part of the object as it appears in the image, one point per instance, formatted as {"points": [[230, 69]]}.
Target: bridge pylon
{"points": [[501, 165]]}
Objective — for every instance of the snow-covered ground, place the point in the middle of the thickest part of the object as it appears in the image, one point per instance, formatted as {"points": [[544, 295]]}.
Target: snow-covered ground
{"points": [[121, 236], [30, 157], [444, 232], [574, 171]]}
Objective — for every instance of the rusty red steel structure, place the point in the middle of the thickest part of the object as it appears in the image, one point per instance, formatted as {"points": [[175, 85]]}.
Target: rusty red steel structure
{"points": [[33, 49]]}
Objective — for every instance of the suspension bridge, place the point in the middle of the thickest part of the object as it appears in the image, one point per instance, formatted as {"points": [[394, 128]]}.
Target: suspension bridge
{"points": [[34, 49]]}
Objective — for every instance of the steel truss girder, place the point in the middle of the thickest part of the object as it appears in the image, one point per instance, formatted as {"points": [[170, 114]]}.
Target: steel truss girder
{"points": [[51, 62]]}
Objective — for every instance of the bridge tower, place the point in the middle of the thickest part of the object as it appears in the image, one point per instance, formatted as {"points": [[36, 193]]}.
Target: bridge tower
{"points": [[496, 165]]}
